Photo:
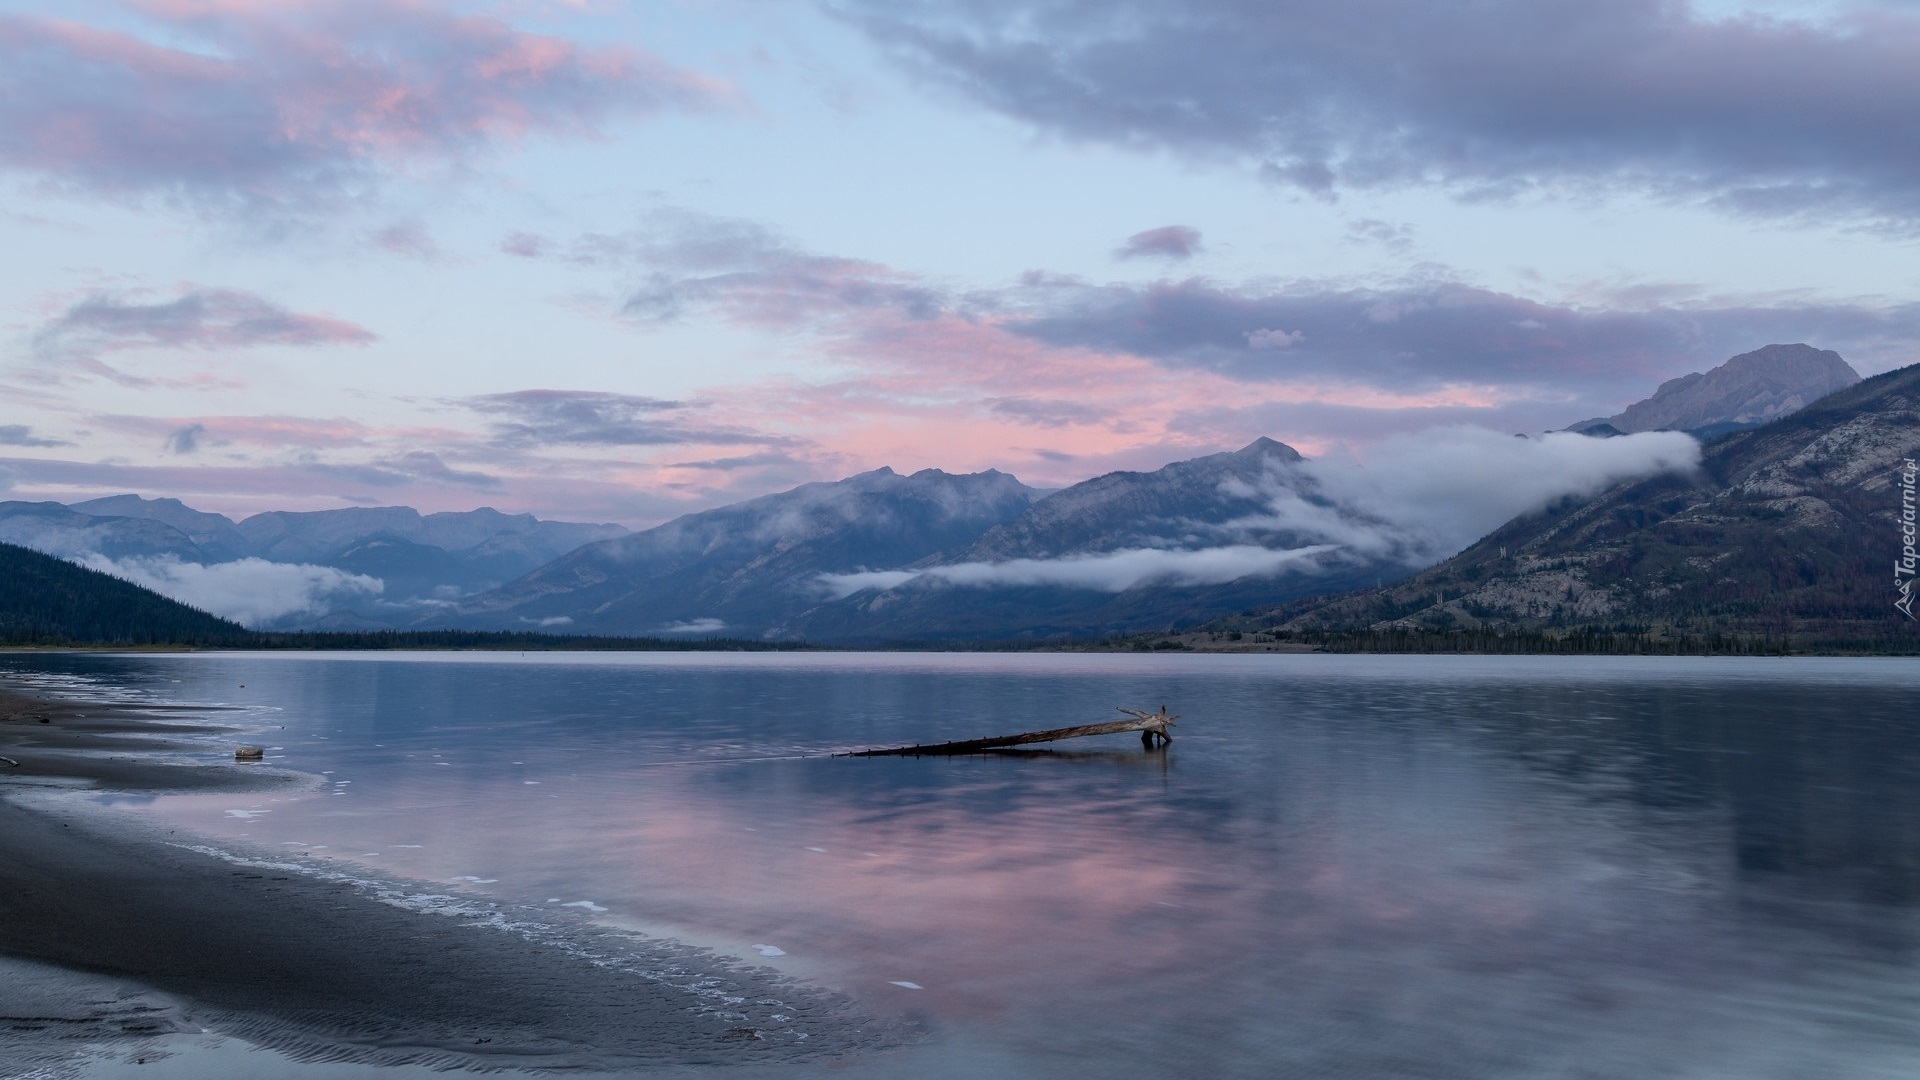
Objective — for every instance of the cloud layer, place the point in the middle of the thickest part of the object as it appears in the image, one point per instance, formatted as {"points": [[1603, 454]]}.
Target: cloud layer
{"points": [[533, 418], [252, 592], [1753, 114], [288, 105], [194, 317], [1424, 496], [1110, 571], [1420, 335]]}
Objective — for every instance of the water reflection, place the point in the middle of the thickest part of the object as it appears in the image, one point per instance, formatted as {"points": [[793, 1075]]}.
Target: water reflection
{"points": [[1342, 867]]}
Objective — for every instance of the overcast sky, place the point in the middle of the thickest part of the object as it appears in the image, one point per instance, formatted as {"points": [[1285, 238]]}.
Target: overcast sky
{"points": [[616, 261]]}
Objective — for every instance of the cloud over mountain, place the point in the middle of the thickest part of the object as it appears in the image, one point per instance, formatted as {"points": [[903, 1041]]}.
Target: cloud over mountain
{"points": [[252, 592], [1108, 571], [1424, 496]]}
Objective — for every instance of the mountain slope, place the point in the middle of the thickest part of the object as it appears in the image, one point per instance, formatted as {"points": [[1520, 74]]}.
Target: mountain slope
{"points": [[44, 600], [1749, 389], [748, 567], [56, 530], [1124, 551], [419, 558], [1793, 527]]}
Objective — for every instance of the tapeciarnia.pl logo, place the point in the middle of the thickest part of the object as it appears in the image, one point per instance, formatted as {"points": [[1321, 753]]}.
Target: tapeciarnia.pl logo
{"points": [[1903, 567]]}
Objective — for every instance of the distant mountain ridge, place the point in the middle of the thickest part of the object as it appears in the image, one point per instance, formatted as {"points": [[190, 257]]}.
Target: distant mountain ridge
{"points": [[743, 568], [416, 557], [1749, 389], [881, 557], [1792, 528]]}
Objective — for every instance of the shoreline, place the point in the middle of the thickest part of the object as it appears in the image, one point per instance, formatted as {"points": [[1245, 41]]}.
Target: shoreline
{"points": [[116, 933]]}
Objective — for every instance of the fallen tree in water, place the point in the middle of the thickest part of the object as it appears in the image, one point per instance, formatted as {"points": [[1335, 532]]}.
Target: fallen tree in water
{"points": [[1151, 726]]}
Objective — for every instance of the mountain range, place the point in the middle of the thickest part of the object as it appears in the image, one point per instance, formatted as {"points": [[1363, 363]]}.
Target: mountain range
{"points": [[880, 556], [884, 557]]}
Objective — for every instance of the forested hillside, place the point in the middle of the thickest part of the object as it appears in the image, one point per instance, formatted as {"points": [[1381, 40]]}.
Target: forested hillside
{"points": [[49, 601]]}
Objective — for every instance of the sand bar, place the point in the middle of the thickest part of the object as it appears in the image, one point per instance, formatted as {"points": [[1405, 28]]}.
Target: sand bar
{"points": [[188, 939]]}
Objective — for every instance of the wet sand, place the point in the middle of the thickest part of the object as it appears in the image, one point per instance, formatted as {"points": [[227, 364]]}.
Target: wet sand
{"points": [[159, 937]]}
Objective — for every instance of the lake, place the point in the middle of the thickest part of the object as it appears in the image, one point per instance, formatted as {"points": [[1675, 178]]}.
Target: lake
{"points": [[1343, 866]]}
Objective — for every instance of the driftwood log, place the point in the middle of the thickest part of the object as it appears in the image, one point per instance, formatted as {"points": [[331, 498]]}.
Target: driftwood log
{"points": [[1151, 726]]}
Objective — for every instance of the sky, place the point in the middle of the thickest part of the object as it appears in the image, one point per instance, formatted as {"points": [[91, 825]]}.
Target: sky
{"points": [[612, 261]]}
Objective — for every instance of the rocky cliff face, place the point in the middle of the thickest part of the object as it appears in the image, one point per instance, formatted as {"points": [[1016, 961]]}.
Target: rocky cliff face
{"points": [[1792, 527], [1749, 389]]}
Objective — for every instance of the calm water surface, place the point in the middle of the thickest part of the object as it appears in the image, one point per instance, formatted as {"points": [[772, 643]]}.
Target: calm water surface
{"points": [[1343, 867]]}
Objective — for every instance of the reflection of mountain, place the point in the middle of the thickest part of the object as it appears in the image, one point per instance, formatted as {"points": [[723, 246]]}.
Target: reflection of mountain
{"points": [[1789, 528], [1809, 779]]}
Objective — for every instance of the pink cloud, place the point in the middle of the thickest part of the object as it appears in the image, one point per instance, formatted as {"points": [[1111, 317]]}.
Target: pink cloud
{"points": [[292, 104], [966, 393], [193, 317]]}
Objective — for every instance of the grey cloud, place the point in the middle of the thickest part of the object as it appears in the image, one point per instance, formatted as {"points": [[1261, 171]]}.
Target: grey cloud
{"points": [[408, 238], [1768, 117], [22, 435], [1045, 413], [1166, 242], [428, 466], [745, 461], [1393, 236], [196, 318], [1421, 336], [186, 440], [690, 262], [526, 245], [290, 107], [532, 418]]}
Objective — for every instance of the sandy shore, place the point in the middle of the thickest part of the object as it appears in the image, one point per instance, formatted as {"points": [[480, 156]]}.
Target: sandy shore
{"points": [[157, 937]]}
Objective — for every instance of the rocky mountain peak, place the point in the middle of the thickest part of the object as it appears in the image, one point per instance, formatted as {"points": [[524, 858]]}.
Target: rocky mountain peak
{"points": [[1264, 447], [1752, 388]]}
